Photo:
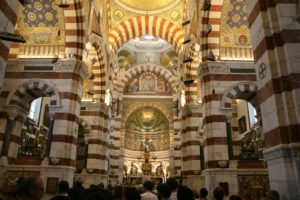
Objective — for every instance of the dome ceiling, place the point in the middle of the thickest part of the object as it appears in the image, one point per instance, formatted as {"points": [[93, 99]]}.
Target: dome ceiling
{"points": [[171, 10], [143, 5]]}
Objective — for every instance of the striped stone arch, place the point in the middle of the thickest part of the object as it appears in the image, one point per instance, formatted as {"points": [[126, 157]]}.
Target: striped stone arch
{"points": [[212, 40], [74, 27], [146, 25], [138, 69], [31, 90], [242, 90], [99, 72]]}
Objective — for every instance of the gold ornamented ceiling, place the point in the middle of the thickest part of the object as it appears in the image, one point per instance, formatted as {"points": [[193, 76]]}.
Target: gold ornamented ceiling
{"points": [[141, 6], [41, 23], [168, 9], [234, 24]]}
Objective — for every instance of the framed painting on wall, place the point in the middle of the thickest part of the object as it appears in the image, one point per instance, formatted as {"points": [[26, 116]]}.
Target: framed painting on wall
{"points": [[242, 124]]}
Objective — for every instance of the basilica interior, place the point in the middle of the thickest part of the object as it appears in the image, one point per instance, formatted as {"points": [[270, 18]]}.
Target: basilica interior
{"points": [[123, 91]]}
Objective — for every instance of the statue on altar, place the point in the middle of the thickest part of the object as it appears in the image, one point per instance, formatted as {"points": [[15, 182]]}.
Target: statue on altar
{"points": [[159, 171], [147, 144]]}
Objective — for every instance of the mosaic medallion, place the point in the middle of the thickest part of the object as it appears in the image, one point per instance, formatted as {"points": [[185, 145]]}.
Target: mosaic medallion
{"points": [[40, 13]]}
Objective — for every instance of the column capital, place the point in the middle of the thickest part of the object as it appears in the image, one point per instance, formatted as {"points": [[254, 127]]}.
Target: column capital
{"points": [[13, 111], [71, 65]]}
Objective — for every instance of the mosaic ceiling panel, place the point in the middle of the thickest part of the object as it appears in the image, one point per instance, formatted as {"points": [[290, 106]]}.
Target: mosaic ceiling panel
{"points": [[234, 24], [41, 23], [168, 9], [40, 14]]}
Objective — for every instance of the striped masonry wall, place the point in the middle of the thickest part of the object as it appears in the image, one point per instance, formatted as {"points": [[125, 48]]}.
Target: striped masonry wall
{"points": [[191, 73], [275, 46], [116, 166], [211, 41], [74, 26], [215, 119], [177, 156], [190, 147], [219, 88], [21, 87], [97, 160], [99, 83], [8, 19]]}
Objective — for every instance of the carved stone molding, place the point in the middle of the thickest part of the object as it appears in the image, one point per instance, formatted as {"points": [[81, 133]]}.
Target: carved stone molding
{"points": [[14, 111], [213, 68]]}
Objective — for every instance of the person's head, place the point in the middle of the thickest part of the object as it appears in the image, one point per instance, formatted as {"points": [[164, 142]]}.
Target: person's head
{"points": [[164, 191], [31, 188], [184, 193], [132, 193], [63, 187], [273, 195], [172, 182], [203, 193], [235, 197], [148, 186], [218, 193], [94, 195]]}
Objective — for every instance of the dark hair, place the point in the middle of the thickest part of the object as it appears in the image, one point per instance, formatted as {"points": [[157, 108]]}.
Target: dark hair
{"points": [[203, 192], [172, 182], [63, 186], [148, 185], [25, 187], [184, 193], [164, 190], [235, 197], [218, 193], [94, 195], [132, 193]]}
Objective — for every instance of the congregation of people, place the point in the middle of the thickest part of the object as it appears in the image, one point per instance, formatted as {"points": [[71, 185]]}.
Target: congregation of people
{"points": [[33, 189]]}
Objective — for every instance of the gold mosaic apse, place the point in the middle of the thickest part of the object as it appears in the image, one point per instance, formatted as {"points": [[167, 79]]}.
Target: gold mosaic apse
{"points": [[147, 122]]}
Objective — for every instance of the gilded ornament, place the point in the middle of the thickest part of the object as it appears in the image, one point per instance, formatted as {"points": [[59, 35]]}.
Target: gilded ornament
{"points": [[38, 6], [49, 16], [236, 18], [175, 15], [118, 14], [31, 16]]}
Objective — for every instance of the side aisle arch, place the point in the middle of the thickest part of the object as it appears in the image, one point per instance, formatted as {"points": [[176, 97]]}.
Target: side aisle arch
{"points": [[30, 90], [242, 90]]}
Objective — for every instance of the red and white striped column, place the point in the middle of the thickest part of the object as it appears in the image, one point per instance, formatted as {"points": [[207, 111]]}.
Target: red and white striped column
{"points": [[276, 43]]}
